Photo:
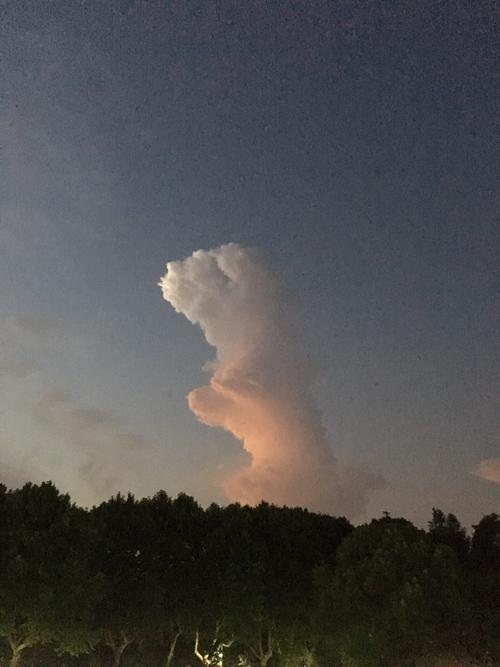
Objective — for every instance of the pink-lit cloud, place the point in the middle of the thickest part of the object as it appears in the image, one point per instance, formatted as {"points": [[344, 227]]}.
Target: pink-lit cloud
{"points": [[260, 388], [488, 469]]}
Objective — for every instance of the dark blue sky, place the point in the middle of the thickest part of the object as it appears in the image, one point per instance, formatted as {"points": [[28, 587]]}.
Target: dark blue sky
{"points": [[356, 143]]}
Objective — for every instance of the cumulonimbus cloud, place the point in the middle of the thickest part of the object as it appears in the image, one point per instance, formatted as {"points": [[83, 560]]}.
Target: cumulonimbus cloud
{"points": [[260, 387]]}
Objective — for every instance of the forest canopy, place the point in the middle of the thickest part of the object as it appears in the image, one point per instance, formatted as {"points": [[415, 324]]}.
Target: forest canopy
{"points": [[163, 581]]}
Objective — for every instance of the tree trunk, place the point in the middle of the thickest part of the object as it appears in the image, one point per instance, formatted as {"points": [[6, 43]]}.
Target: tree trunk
{"points": [[197, 651], [171, 651], [117, 654], [263, 656], [309, 658], [15, 659], [217, 647], [117, 646]]}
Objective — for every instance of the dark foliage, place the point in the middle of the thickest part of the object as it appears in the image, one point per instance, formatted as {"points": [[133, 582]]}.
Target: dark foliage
{"points": [[161, 581]]}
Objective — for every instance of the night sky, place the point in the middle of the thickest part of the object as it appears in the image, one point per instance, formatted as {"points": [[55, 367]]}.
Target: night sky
{"points": [[355, 143]]}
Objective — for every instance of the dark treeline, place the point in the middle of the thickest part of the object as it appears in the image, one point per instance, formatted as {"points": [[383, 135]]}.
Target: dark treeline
{"points": [[164, 582]]}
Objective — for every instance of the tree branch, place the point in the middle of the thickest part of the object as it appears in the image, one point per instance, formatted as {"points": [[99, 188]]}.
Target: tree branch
{"points": [[173, 644], [196, 647]]}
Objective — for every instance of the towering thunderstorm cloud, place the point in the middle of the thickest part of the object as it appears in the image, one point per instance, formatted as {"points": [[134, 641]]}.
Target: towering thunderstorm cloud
{"points": [[260, 387]]}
